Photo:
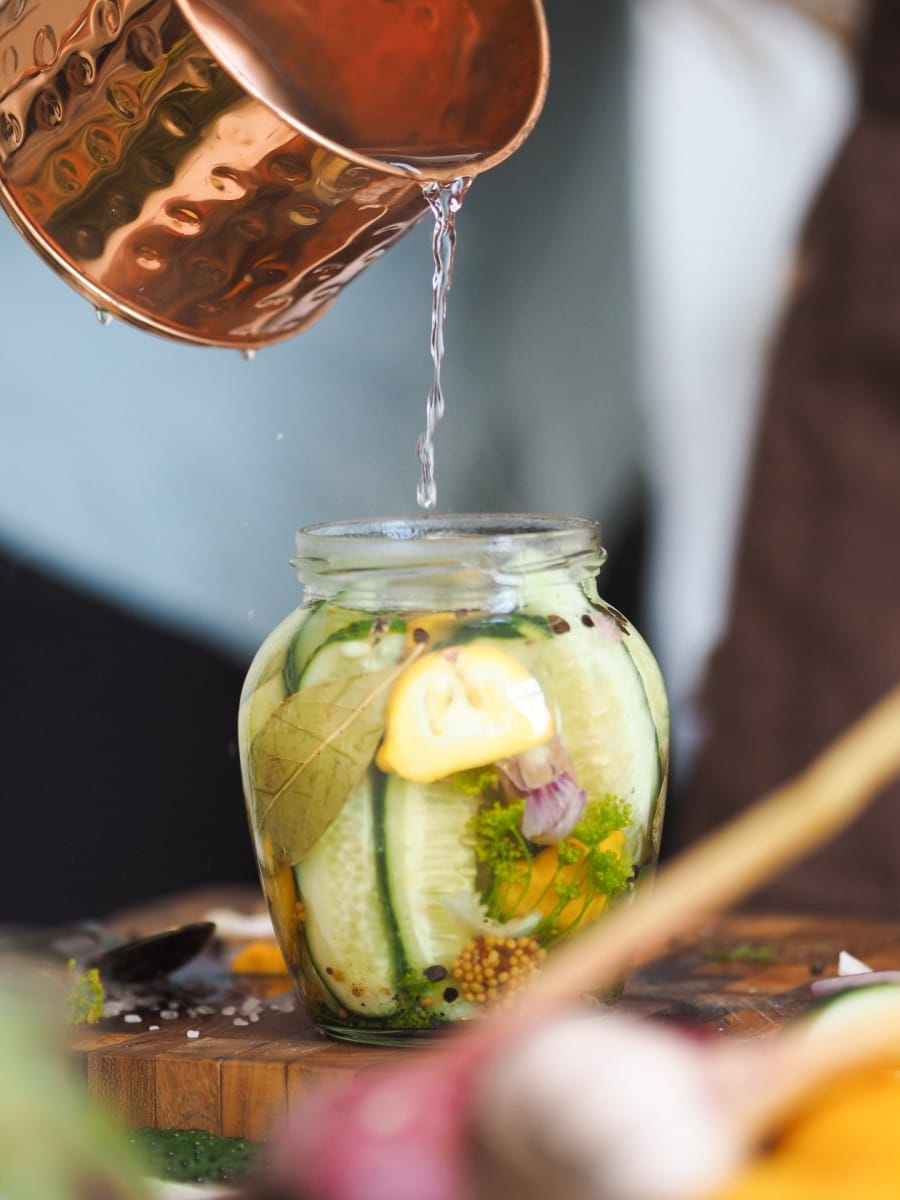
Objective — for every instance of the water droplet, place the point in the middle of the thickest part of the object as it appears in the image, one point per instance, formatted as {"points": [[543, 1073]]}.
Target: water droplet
{"points": [[249, 353], [279, 437], [105, 318]]}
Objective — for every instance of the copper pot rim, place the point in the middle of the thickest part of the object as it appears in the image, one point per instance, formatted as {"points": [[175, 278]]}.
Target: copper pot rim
{"points": [[383, 166]]}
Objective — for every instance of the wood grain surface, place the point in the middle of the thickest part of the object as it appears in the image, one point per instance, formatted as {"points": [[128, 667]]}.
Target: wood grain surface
{"points": [[740, 975]]}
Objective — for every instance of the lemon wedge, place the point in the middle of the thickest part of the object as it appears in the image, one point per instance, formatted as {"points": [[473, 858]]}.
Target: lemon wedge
{"points": [[461, 707]]}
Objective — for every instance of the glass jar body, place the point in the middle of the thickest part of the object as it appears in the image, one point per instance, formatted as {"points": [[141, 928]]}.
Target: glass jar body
{"points": [[454, 756]]}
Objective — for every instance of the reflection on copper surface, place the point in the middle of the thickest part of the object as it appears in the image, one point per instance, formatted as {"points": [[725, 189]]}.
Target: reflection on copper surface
{"points": [[170, 194]]}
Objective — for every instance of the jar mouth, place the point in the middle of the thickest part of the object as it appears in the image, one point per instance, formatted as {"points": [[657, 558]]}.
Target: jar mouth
{"points": [[495, 544], [430, 526]]}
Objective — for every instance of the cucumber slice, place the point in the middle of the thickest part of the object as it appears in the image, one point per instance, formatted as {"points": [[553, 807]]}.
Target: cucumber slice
{"points": [[499, 625], [366, 645], [264, 688], [654, 686], [347, 930], [857, 1004], [430, 858], [318, 624], [592, 684]]}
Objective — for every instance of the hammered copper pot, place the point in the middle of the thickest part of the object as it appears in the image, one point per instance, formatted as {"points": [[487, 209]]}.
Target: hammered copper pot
{"points": [[216, 170]]}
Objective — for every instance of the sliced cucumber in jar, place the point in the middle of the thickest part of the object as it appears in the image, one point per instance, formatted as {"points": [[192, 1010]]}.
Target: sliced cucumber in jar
{"points": [[347, 927], [654, 687], [366, 645], [502, 626], [603, 716], [431, 863]]}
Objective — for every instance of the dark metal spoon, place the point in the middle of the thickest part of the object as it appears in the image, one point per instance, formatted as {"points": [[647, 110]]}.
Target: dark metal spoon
{"points": [[154, 957]]}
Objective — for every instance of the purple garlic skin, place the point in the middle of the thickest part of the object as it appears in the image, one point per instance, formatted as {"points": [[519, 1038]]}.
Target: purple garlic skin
{"points": [[545, 779]]}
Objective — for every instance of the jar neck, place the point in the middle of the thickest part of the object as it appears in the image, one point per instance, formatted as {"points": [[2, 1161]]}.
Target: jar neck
{"points": [[482, 561]]}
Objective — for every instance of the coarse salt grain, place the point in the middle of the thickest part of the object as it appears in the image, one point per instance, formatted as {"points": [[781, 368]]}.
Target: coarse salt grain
{"points": [[229, 1011], [193, 1033], [168, 1014], [153, 1028], [133, 1018], [240, 1021]]}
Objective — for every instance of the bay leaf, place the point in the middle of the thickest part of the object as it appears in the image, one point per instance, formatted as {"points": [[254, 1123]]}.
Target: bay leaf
{"points": [[311, 754]]}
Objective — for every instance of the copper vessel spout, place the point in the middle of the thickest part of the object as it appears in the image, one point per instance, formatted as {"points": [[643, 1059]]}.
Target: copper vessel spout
{"points": [[215, 171]]}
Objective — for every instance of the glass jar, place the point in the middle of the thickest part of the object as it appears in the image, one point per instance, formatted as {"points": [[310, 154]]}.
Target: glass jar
{"points": [[454, 756]]}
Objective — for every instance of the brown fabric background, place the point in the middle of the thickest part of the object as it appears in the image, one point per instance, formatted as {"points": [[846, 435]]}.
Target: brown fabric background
{"points": [[814, 636]]}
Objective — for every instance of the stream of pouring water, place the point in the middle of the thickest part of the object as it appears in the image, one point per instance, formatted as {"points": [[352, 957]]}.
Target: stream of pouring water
{"points": [[445, 201]]}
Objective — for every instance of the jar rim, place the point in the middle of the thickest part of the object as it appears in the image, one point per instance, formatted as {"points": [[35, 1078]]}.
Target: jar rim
{"points": [[428, 527], [439, 544]]}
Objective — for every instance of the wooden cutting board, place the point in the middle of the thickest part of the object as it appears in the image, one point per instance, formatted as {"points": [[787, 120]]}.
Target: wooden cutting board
{"points": [[741, 975]]}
